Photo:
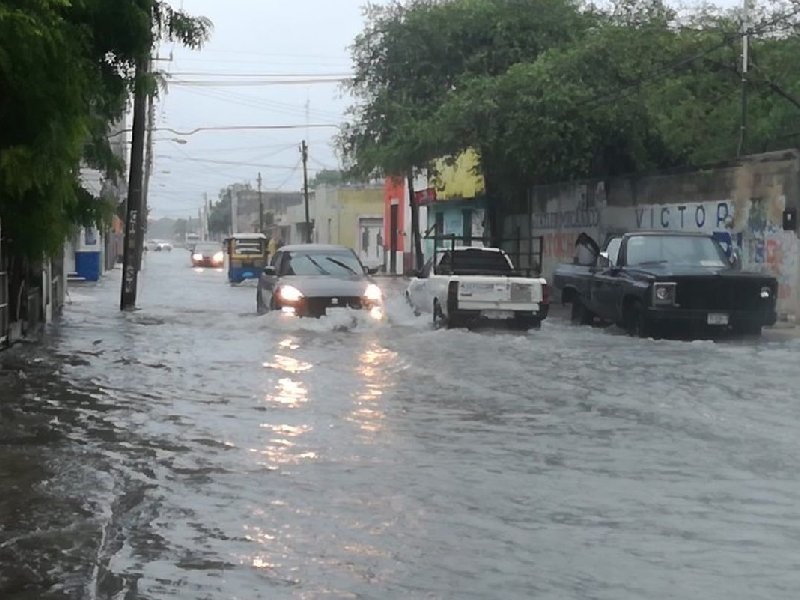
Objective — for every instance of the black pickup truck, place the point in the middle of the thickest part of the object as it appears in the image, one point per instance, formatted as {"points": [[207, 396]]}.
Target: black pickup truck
{"points": [[648, 281]]}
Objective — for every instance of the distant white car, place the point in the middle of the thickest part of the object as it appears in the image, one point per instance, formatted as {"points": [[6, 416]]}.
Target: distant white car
{"points": [[465, 287], [162, 246]]}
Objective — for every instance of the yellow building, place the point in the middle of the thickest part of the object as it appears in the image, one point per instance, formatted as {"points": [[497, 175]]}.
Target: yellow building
{"points": [[349, 215], [459, 178]]}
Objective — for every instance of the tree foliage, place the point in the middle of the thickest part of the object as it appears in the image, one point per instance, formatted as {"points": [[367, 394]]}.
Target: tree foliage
{"points": [[66, 70], [552, 90]]}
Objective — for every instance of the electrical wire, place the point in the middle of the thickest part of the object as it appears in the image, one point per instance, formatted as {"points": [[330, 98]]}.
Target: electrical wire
{"points": [[241, 100], [259, 75], [259, 83]]}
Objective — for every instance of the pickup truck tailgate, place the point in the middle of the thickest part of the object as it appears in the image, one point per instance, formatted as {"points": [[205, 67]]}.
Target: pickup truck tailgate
{"points": [[502, 291]]}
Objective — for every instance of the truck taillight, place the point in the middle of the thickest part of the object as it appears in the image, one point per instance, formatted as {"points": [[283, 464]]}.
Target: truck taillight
{"points": [[545, 294]]}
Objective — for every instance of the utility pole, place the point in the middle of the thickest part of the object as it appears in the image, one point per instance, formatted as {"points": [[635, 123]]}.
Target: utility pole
{"points": [[745, 64], [304, 152], [148, 168], [133, 213], [260, 206]]}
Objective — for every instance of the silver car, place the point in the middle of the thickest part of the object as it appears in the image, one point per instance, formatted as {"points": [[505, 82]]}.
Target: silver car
{"points": [[309, 280]]}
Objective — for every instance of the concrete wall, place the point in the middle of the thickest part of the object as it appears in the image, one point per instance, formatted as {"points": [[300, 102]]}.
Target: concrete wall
{"points": [[741, 203]]}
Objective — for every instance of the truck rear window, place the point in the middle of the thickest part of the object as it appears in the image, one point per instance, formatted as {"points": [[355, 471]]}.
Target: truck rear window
{"points": [[477, 262]]}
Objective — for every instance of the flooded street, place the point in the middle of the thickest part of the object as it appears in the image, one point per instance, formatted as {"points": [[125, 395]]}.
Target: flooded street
{"points": [[193, 450]]}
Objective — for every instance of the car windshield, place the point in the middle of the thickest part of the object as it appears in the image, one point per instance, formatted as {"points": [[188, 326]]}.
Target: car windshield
{"points": [[207, 248], [249, 246], [674, 249], [333, 264], [475, 261]]}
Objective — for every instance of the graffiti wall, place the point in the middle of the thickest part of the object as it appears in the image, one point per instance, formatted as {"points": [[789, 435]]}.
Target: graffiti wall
{"points": [[766, 246], [562, 217], [741, 203], [715, 217]]}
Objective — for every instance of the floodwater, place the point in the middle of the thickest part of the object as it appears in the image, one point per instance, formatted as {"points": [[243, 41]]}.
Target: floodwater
{"points": [[193, 450]]}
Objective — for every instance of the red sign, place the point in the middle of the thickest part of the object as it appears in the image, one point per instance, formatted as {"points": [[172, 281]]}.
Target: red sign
{"points": [[425, 197]]}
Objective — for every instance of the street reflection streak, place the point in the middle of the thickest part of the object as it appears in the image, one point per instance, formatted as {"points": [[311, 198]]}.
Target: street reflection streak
{"points": [[289, 365], [290, 393], [368, 414]]}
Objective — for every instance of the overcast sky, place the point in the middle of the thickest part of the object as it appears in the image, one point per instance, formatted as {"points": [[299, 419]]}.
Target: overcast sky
{"points": [[255, 38]]}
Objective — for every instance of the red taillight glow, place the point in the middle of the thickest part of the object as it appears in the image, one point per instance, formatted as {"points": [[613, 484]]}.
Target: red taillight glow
{"points": [[545, 294]]}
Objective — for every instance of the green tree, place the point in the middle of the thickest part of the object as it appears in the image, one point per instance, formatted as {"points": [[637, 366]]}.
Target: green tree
{"points": [[66, 69], [550, 91], [219, 218]]}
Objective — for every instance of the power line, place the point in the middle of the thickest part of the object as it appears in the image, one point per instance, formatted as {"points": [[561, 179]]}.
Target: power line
{"points": [[260, 75], [234, 163], [234, 128], [258, 83], [256, 103]]}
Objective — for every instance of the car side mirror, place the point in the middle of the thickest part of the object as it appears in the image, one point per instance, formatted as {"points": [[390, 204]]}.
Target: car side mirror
{"points": [[603, 261], [269, 271]]}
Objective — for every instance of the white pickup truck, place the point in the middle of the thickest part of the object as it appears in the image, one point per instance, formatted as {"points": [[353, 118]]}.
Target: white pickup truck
{"points": [[465, 287]]}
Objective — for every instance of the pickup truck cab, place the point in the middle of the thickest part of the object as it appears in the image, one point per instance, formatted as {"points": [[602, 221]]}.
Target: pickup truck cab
{"points": [[470, 286], [646, 281]]}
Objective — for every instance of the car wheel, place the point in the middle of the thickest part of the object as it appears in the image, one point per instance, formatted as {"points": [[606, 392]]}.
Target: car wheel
{"points": [[439, 320], [637, 323], [580, 315]]}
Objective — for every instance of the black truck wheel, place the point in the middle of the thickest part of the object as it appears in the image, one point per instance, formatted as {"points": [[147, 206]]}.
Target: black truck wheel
{"points": [[580, 315], [636, 322]]}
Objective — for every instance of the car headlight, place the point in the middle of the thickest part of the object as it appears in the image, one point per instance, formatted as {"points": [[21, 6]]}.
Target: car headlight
{"points": [[664, 293], [289, 293], [766, 292], [197, 256], [373, 293], [219, 256]]}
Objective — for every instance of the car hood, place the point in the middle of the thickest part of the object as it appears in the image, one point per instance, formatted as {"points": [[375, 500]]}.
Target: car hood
{"points": [[316, 286], [665, 271]]}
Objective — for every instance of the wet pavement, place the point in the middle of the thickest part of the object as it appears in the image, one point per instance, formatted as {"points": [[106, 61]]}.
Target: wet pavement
{"points": [[193, 450]]}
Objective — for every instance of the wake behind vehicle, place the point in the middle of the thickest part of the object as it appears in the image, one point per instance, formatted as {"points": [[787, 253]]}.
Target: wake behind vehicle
{"points": [[470, 286], [247, 256], [311, 280], [646, 281], [207, 254]]}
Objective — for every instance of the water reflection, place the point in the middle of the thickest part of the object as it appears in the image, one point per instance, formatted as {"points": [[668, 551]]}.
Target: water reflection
{"points": [[287, 430], [289, 393], [289, 364], [289, 344], [368, 413]]}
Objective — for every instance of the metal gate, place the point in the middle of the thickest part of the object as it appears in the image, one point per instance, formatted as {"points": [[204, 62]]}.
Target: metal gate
{"points": [[525, 251]]}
